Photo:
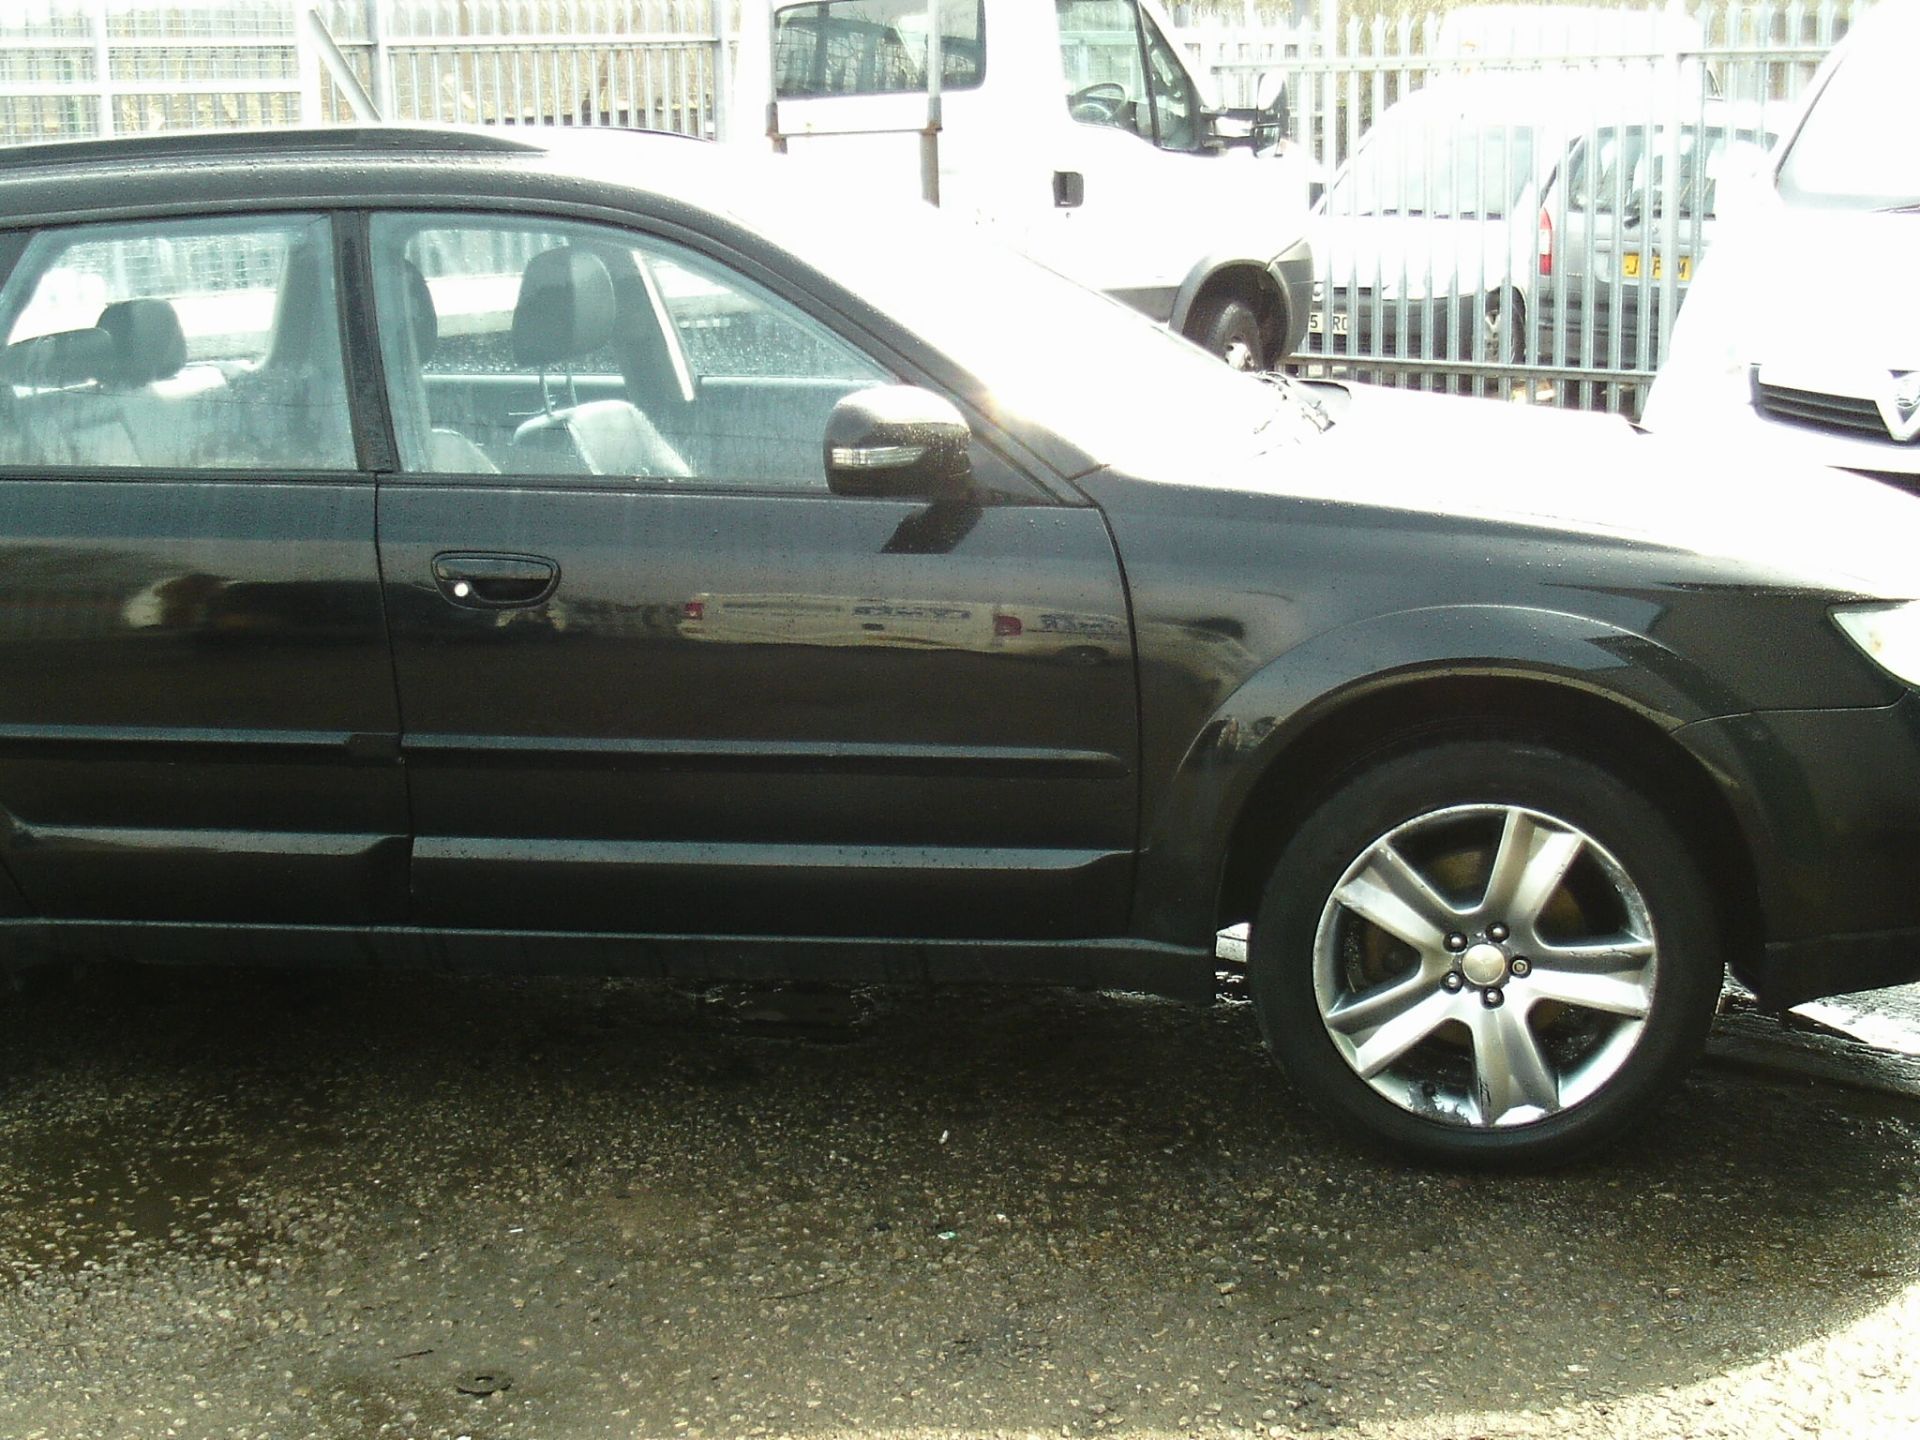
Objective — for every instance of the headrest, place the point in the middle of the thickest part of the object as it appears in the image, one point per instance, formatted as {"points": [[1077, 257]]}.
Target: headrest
{"points": [[565, 309], [148, 343], [421, 315], [54, 362]]}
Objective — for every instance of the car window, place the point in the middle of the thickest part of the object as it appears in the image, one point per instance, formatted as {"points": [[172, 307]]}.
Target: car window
{"points": [[1622, 168], [1106, 80], [1437, 167], [874, 47], [1176, 109], [560, 349], [1606, 175], [176, 344]]}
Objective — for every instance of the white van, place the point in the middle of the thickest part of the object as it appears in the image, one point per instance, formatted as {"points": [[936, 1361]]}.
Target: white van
{"points": [[1077, 132]]}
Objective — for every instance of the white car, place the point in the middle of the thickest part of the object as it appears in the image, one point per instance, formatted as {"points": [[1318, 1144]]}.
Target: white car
{"points": [[1803, 329]]}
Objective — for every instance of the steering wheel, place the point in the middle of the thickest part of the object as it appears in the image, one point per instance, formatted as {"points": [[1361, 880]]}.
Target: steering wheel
{"points": [[1099, 103]]}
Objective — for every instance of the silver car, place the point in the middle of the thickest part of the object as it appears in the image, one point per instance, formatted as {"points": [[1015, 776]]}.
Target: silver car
{"points": [[1632, 205]]}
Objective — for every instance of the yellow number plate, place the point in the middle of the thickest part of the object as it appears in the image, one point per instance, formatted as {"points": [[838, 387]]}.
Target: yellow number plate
{"points": [[1630, 266]]}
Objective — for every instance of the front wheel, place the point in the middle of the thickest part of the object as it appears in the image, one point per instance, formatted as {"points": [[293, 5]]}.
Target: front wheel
{"points": [[1229, 328], [1487, 953]]}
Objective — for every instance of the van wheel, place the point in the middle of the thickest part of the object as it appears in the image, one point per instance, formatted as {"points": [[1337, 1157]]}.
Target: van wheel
{"points": [[1229, 328], [1486, 952]]}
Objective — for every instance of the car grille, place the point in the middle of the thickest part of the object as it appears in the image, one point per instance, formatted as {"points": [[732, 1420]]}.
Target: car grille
{"points": [[1850, 413]]}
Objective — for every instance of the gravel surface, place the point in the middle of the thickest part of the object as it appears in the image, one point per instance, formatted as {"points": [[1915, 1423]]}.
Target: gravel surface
{"points": [[247, 1205]]}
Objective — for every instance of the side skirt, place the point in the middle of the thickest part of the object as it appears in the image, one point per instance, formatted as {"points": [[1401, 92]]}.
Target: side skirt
{"points": [[1094, 964]]}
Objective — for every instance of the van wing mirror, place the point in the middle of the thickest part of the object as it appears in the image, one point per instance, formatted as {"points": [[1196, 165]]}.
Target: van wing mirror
{"points": [[898, 441], [1260, 127], [1270, 104]]}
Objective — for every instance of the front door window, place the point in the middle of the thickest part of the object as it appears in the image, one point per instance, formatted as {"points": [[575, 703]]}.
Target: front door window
{"points": [[569, 350], [1122, 72]]}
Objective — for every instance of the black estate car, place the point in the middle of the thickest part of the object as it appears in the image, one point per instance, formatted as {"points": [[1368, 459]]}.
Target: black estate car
{"points": [[563, 550]]}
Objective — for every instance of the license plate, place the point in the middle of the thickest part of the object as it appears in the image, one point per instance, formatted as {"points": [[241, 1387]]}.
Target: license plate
{"points": [[1630, 266], [1318, 323]]}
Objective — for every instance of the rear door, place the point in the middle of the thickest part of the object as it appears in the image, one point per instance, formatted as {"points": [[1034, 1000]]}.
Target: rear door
{"points": [[657, 678], [197, 717]]}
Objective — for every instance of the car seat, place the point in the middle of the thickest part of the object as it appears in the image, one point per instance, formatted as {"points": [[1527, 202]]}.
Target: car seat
{"points": [[564, 313]]}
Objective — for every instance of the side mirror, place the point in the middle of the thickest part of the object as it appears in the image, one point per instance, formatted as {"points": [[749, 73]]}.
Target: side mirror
{"points": [[1737, 177], [898, 441], [1270, 103]]}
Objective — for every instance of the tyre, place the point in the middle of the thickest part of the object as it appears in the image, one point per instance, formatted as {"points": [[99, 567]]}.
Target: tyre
{"points": [[1487, 953], [1499, 337], [1229, 328]]}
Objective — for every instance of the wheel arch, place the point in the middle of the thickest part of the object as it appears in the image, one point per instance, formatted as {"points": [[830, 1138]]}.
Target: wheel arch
{"points": [[1240, 277], [1423, 709], [1403, 681]]}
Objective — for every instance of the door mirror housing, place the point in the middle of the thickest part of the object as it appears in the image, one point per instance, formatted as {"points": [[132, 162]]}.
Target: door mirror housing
{"points": [[898, 441], [1259, 128], [1737, 177], [1270, 104]]}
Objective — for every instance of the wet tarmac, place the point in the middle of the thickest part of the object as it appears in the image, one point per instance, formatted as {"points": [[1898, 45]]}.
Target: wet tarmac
{"points": [[258, 1205]]}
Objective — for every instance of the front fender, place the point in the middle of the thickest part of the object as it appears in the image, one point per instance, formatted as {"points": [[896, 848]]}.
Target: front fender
{"points": [[1188, 824]]}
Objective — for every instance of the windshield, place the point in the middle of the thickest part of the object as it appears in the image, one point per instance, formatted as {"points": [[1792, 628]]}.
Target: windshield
{"points": [[1621, 170], [1092, 370], [1464, 173], [1850, 153]]}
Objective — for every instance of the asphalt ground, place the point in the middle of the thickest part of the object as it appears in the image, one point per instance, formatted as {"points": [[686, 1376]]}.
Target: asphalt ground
{"points": [[257, 1205]]}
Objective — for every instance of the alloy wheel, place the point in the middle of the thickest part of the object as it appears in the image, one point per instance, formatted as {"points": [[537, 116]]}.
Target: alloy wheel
{"points": [[1485, 966]]}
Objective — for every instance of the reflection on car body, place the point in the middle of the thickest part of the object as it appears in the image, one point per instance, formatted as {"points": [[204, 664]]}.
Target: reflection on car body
{"points": [[956, 625]]}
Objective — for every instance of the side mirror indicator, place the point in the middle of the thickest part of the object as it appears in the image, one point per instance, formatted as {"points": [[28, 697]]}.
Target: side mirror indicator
{"points": [[899, 441]]}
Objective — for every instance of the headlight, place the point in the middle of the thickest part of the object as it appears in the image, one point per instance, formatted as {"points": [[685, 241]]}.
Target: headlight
{"points": [[1889, 633]]}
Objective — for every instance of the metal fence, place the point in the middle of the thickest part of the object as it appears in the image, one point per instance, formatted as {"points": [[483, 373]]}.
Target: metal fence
{"points": [[653, 64], [75, 68], [71, 70], [1515, 197], [1561, 287]]}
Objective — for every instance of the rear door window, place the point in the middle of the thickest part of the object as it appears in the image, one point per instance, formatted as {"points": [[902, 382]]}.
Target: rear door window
{"points": [[176, 344]]}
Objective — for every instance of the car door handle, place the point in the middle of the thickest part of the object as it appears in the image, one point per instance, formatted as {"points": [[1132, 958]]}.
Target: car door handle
{"points": [[494, 582]]}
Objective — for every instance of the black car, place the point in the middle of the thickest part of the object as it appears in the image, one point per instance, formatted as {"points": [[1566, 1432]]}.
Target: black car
{"points": [[591, 551]]}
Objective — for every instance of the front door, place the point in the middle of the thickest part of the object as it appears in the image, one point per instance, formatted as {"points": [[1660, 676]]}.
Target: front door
{"points": [[656, 678]]}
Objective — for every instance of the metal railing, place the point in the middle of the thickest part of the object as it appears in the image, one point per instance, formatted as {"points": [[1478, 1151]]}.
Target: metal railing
{"points": [[77, 68], [1586, 145], [650, 64]]}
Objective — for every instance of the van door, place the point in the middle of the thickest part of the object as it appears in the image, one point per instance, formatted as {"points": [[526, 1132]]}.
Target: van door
{"points": [[1148, 200]]}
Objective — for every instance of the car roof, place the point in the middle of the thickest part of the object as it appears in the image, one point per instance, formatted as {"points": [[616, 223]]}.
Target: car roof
{"points": [[211, 171]]}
